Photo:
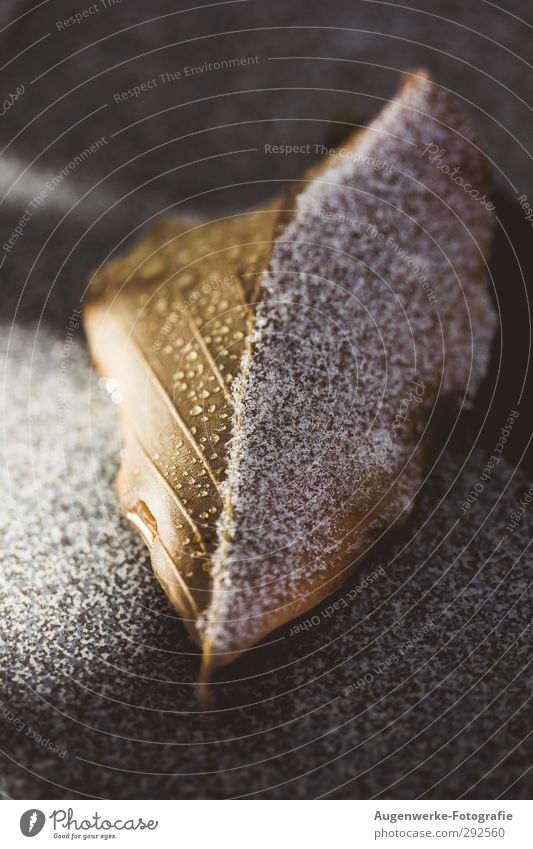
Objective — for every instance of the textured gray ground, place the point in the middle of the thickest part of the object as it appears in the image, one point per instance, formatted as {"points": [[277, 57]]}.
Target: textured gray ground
{"points": [[93, 659], [98, 664]]}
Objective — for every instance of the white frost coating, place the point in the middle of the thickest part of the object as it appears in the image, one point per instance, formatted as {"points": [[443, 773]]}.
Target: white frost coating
{"points": [[374, 307]]}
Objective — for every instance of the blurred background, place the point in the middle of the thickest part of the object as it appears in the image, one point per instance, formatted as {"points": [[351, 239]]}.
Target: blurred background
{"points": [[112, 114]]}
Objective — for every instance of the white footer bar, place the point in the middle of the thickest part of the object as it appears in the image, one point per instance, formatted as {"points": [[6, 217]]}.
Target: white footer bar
{"points": [[268, 824]]}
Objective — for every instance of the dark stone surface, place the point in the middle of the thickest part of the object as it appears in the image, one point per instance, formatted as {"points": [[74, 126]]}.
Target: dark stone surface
{"points": [[93, 658]]}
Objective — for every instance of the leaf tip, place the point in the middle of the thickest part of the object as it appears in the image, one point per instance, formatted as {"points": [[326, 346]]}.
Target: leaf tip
{"points": [[204, 691]]}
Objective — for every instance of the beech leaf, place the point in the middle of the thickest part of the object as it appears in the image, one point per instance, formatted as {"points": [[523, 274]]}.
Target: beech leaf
{"points": [[282, 369]]}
